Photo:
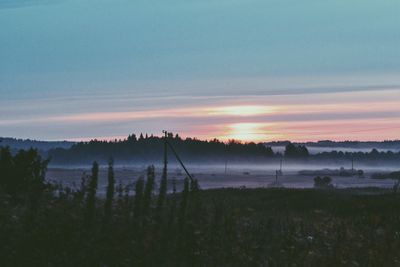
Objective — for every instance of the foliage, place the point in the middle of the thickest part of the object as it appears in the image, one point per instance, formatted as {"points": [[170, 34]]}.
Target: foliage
{"points": [[296, 151], [110, 191], [150, 149], [91, 195], [149, 187], [22, 173], [139, 196], [225, 227], [229, 227], [390, 175], [163, 189], [324, 182]]}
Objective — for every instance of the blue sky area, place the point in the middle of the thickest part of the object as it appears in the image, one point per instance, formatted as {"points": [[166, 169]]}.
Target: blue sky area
{"points": [[72, 57]]}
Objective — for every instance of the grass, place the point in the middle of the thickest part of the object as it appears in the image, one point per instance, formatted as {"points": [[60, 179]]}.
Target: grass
{"points": [[224, 227]]}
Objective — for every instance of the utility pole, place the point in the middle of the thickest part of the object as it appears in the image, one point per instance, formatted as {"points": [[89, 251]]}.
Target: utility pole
{"points": [[165, 170], [163, 181], [166, 145], [180, 161]]}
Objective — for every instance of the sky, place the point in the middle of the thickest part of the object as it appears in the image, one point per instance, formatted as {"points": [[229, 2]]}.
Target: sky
{"points": [[252, 70]]}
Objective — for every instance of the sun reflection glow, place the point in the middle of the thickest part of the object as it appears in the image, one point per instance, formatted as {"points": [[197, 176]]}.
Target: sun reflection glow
{"points": [[249, 131]]}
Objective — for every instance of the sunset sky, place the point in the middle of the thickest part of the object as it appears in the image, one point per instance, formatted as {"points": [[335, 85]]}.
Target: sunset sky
{"points": [[252, 70]]}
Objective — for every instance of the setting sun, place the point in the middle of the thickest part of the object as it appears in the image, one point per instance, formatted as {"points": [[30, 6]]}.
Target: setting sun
{"points": [[248, 131]]}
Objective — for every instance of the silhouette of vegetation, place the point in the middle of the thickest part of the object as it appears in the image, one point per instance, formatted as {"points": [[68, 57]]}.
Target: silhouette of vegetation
{"points": [[333, 172], [224, 227], [386, 175], [150, 149], [110, 191], [147, 149], [22, 173], [325, 182], [91, 195], [296, 151], [374, 156], [139, 196], [327, 145], [149, 187]]}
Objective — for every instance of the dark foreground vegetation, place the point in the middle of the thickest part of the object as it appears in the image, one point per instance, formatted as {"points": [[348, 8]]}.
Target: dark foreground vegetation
{"points": [[50, 225]]}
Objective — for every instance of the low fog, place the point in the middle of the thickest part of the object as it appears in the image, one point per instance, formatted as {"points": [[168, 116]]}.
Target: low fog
{"points": [[232, 174]]}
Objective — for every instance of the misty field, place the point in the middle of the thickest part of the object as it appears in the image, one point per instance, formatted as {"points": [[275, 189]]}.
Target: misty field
{"points": [[223, 227], [214, 176]]}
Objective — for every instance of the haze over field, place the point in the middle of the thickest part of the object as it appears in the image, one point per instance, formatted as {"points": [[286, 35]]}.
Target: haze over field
{"points": [[250, 70]]}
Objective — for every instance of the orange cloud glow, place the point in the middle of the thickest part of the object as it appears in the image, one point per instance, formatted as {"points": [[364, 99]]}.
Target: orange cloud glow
{"points": [[245, 110], [248, 132], [336, 116]]}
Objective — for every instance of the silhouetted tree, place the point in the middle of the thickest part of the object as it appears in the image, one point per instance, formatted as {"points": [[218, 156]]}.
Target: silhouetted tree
{"points": [[194, 185], [132, 138], [293, 151], [110, 191], [91, 198], [7, 169], [23, 173], [184, 202], [151, 149], [324, 182], [80, 194], [138, 204], [148, 191]]}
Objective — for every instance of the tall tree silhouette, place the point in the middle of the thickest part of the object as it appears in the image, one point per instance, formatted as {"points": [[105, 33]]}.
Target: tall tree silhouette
{"points": [[148, 190], [22, 173], [91, 198], [110, 191], [138, 204]]}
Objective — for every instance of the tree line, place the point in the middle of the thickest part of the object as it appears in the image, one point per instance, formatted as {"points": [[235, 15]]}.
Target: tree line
{"points": [[148, 149]]}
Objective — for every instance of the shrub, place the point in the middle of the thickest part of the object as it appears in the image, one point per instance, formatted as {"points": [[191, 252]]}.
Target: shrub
{"points": [[23, 173], [324, 182]]}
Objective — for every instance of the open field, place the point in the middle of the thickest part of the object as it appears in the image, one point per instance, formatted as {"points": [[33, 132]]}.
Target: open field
{"points": [[210, 177]]}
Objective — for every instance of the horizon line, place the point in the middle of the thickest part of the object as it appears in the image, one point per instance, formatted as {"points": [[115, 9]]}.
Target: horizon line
{"points": [[124, 138]]}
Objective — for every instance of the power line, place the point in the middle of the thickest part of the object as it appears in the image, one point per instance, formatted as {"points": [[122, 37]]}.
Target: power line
{"points": [[175, 154]]}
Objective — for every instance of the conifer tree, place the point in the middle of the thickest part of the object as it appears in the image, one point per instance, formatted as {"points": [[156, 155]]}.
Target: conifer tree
{"points": [[138, 197], [194, 185], [148, 191], [184, 202], [91, 198], [110, 191]]}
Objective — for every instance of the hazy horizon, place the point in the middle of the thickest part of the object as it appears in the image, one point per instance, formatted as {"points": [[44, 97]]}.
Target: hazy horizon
{"points": [[123, 138]]}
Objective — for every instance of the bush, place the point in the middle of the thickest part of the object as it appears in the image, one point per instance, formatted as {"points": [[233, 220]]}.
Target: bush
{"points": [[324, 182], [22, 173]]}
